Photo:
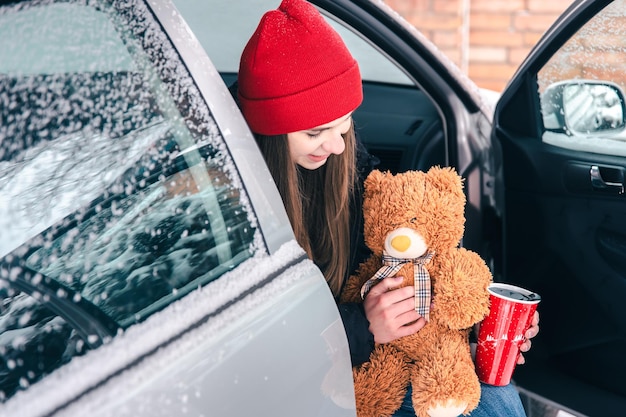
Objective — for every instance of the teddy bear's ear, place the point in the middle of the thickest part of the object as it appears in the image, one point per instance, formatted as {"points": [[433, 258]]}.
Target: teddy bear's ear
{"points": [[373, 181], [445, 179]]}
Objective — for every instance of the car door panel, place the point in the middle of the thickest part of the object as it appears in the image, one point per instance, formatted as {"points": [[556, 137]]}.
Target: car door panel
{"points": [[564, 233], [565, 240], [275, 352]]}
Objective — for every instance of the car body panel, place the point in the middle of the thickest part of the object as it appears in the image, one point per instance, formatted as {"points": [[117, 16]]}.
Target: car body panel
{"points": [[563, 237]]}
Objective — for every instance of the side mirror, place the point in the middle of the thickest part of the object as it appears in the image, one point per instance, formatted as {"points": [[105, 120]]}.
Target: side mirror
{"points": [[583, 107]]}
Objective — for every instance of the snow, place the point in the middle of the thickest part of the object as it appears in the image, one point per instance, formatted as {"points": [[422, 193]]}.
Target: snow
{"points": [[32, 196], [591, 143]]}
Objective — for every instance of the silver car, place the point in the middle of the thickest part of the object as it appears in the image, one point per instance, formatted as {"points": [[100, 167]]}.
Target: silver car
{"points": [[147, 266]]}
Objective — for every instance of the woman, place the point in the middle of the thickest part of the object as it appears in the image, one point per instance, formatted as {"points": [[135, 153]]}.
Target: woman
{"points": [[297, 87]]}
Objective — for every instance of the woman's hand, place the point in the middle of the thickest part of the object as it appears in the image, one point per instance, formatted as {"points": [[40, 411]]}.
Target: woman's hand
{"points": [[391, 310], [530, 333]]}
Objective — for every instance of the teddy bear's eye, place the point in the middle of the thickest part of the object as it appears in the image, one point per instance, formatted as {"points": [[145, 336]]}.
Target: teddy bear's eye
{"points": [[413, 220]]}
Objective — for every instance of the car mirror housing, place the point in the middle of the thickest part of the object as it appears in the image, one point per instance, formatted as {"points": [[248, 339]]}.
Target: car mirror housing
{"points": [[583, 107]]}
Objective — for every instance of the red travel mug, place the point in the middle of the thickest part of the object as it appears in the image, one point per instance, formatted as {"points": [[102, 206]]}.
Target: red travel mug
{"points": [[502, 332]]}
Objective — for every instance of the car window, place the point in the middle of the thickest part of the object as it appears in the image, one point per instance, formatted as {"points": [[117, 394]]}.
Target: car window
{"points": [[117, 192], [210, 20], [374, 65], [32, 338], [582, 87], [99, 46]]}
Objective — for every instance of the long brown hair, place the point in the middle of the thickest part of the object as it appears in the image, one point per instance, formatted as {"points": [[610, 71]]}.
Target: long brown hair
{"points": [[317, 203]]}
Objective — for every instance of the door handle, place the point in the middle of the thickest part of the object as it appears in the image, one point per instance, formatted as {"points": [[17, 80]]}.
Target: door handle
{"points": [[614, 181]]}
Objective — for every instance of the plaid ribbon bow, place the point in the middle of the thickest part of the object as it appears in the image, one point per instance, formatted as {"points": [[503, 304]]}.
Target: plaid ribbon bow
{"points": [[421, 279]]}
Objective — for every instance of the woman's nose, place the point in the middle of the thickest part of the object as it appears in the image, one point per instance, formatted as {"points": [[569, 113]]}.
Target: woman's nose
{"points": [[335, 144]]}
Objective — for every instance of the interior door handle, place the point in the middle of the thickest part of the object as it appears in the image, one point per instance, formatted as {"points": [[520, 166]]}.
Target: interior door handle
{"points": [[614, 179]]}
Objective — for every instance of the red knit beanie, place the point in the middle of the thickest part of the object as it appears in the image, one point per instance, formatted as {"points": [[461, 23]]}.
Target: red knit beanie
{"points": [[296, 73]]}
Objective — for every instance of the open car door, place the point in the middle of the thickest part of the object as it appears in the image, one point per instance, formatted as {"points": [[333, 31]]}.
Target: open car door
{"points": [[560, 124]]}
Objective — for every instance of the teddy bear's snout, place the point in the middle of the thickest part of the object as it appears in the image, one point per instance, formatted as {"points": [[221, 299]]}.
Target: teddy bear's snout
{"points": [[405, 243], [401, 243]]}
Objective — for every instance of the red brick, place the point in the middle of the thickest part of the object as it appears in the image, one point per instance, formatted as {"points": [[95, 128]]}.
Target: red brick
{"points": [[488, 54], [598, 58], [491, 84], [517, 55], [531, 38], [401, 6], [605, 40], [446, 39], [496, 71], [492, 21], [501, 34], [548, 6], [533, 22], [438, 22], [448, 6], [413, 6], [550, 74], [495, 38], [498, 5]]}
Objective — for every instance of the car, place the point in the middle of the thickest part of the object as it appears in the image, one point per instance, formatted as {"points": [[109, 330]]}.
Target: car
{"points": [[147, 265]]}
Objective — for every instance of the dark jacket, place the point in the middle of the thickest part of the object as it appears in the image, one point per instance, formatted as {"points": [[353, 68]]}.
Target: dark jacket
{"points": [[360, 339]]}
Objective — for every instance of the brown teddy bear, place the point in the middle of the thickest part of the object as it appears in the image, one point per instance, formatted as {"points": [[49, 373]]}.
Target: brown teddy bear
{"points": [[414, 222]]}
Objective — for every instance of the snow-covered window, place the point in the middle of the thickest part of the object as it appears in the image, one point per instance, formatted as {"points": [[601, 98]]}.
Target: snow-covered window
{"points": [[117, 192], [582, 87]]}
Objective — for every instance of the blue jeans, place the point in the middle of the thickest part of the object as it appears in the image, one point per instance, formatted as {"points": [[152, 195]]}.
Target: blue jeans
{"points": [[494, 402]]}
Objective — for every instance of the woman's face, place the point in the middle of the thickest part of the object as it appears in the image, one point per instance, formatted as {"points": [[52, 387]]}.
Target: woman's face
{"points": [[311, 148]]}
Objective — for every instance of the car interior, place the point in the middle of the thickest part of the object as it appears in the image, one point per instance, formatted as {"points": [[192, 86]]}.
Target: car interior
{"points": [[398, 124]]}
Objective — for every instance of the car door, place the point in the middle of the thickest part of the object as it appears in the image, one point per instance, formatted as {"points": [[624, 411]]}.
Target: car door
{"points": [[560, 123]]}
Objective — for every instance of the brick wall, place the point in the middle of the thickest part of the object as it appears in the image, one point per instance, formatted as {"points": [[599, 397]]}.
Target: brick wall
{"points": [[487, 39]]}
